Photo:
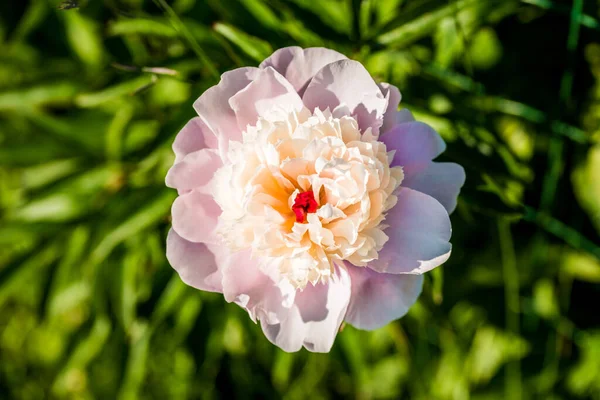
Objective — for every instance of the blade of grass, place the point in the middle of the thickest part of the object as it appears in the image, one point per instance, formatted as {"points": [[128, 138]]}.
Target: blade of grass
{"points": [[418, 27], [555, 152], [562, 231], [38, 176], [263, 13], [142, 26], [170, 299], [136, 362], [127, 88], [252, 46], [364, 18], [145, 217], [53, 94], [585, 20], [83, 354], [509, 107], [185, 32], [32, 18], [15, 276], [116, 131], [464, 40], [513, 384]]}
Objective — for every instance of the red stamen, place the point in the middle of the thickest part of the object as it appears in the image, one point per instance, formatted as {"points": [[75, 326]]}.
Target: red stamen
{"points": [[305, 203]]}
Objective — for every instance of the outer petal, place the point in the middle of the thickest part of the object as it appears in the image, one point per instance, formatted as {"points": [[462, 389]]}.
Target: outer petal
{"points": [[404, 115], [442, 181], [299, 65], [393, 95], [194, 136], [268, 90], [391, 119], [195, 216], [348, 83], [194, 263], [419, 232], [194, 170], [213, 106], [243, 281], [314, 319], [414, 143], [377, 298]]}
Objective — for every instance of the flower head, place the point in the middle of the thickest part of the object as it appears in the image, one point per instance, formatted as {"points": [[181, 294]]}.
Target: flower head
{"points": [[308, 199]]}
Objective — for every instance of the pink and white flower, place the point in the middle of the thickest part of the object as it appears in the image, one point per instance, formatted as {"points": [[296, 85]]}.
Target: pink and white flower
{"points": [[308, 199]]}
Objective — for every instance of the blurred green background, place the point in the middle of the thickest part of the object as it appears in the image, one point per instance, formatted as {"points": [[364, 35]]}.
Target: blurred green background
{"points": [[92, 94]]}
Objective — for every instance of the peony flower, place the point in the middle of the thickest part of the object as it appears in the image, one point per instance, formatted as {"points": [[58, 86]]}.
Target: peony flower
{"points": [[308, 199]]}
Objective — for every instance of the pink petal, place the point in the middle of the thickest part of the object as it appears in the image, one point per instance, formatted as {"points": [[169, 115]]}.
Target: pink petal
{"points": [[414, 143], [392, 93], [194, 136], [299, 65], [269, 89], [403, 116], [243, 281], [442, 181], [419, 232], [195, 216], [314, 319], [213, 106], [194, 263], [378, 299], [194, 170], [399, 117], [347, 82]]}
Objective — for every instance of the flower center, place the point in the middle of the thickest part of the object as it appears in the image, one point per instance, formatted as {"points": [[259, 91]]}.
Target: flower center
{"points": [[305, 203], [306, 191]]}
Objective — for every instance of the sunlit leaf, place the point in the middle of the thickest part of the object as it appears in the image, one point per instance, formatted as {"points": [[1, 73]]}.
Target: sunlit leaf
{"points": [[586, 182], [491, 349], [254, 47]]}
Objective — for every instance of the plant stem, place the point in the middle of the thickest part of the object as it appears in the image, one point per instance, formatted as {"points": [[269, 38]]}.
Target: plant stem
{"points": [[511, 300]]}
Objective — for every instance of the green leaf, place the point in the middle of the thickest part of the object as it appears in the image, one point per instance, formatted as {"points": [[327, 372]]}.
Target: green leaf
{"points": [[84, 37], [47, 95], [415, 29], [262, 13], [148, 215], [116, 131], [386, 10], [586, 183], [334, 13], [69, 201], [128, 297], [33, 17], [582, 266], [142, 26], [13, 280], [128, 88], [139, 134], [584, 378], [386, 377], [136, 362], [282, 369], [490, 350], [544, 299], [38, 176], [466, 13], [485, 50], [254, 47], [169, 301]]}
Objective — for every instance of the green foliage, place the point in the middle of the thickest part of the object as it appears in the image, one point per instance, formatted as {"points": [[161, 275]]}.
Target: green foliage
{"points": [[92, 94]]}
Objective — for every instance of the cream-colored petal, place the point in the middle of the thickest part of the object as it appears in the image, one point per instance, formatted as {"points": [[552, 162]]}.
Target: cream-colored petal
{"points": [[284, 155]]}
